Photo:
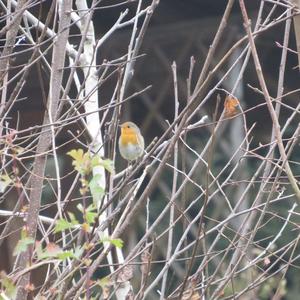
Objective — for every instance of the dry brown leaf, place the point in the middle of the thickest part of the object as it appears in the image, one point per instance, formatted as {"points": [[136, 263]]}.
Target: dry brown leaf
{"points": [[190, 294], [231, 105], [145, 258], [53, 248], [29, 287], [125, 275], [196, 296]]}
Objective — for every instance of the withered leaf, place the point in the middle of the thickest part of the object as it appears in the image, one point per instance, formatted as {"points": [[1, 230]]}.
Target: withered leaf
{"points": [[231, 105], [125, 274]]}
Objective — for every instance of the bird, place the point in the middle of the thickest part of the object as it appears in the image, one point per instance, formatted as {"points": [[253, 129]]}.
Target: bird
{"points": [[131, 141]]}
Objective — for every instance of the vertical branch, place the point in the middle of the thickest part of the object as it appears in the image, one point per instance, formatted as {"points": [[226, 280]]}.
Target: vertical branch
{"points": [[237, 133], [296, 19], [58, 59], [11, 34], [174, 185], [88, 64]]}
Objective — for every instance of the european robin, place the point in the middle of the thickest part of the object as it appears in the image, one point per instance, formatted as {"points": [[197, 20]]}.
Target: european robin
{"points": [[131, 141]]}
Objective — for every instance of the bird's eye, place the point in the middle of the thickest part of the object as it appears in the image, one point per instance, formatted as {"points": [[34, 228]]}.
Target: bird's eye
{"points": [[128, 126]]}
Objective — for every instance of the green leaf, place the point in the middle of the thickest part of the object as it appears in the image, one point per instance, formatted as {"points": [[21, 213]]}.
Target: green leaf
{"points": [[97, 191], [5, 181], [38, 249], [81, 161], [22, 245], [63, 224], [76, 154], [104, 281], [117, 243], [96, 160], [8, 284], [108, 165], [53, 251], [107, 239], [90, 213], [66, 254], [90, 217]]}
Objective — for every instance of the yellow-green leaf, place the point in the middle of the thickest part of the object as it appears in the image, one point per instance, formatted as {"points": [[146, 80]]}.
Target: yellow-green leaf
{"points": [[81, 161], [5, 181], [63, 224], [22, 245]]}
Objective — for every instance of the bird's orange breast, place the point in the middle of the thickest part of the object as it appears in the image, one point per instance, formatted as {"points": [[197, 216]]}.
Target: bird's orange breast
{"points": [[128, 136]]}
